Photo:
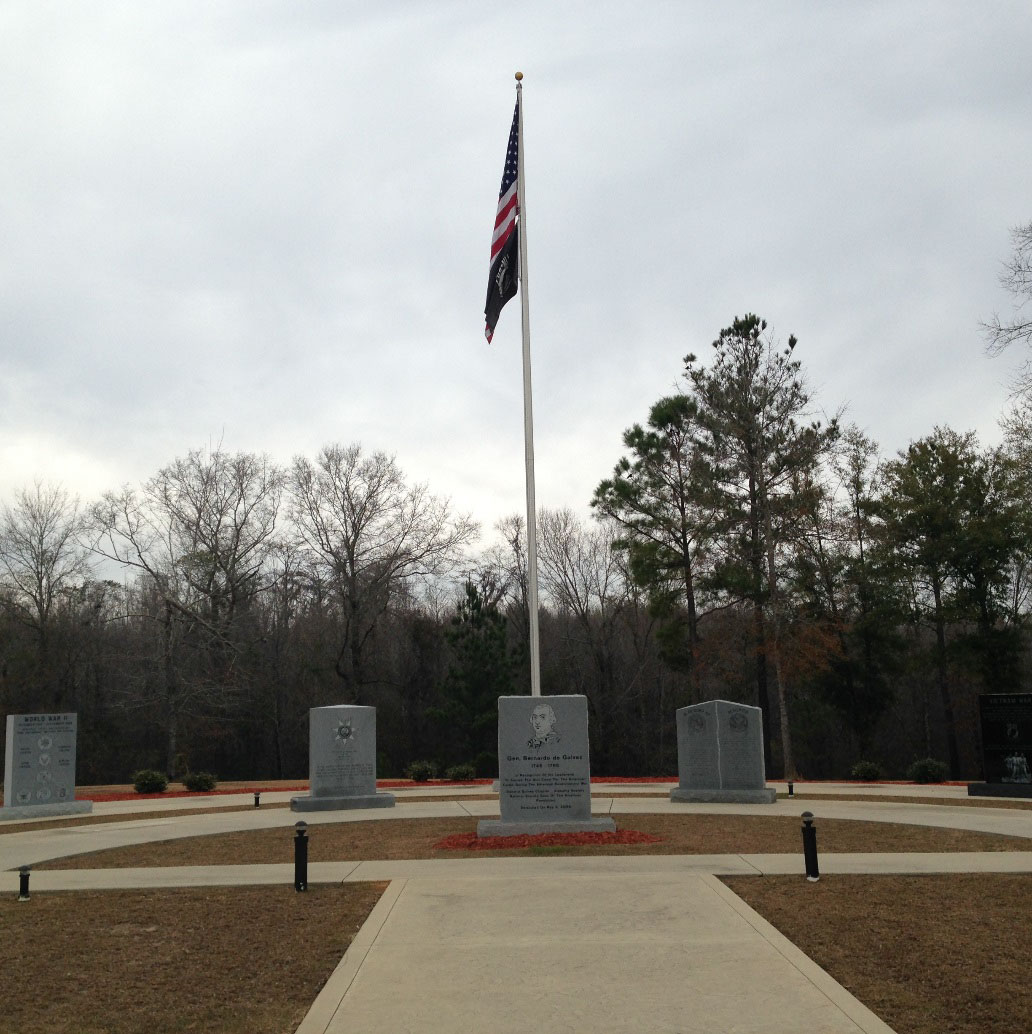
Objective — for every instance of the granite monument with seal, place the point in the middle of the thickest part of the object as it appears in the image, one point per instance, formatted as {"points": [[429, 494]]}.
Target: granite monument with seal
{"points": [[544, 770], [1006, 720], [39, 767], [342, 760], [720, 754]]}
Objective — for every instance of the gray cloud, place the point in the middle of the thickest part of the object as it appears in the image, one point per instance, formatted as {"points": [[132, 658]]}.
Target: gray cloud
{"points": [[268, 224]]}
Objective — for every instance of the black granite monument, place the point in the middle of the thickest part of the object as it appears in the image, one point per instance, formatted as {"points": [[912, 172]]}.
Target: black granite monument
{"points": [[1006, 745]]}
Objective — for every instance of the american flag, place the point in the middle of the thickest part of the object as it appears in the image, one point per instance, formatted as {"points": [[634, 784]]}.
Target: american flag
{"points": [[501, 285]]}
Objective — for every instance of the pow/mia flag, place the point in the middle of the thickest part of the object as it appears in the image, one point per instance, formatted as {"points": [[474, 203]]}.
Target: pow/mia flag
{"points": [[501, 285]]}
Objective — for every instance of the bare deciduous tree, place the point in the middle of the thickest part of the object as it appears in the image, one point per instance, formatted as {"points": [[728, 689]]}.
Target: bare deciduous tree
{"points": [[372, 539], [198, 534], [1016, 278], [41, 556]]}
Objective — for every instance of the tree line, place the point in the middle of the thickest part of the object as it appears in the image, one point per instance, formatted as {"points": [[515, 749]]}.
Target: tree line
{"points": [[742, 548]]}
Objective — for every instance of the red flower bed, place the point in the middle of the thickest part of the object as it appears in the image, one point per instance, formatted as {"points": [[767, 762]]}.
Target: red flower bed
{"points": [[402, 784], [133, 796], [471, 842], [411, 784]]}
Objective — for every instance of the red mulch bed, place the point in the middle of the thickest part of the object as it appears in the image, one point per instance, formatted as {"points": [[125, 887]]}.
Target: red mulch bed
{"points": [[411, 784], [96, 797], [471, 842]]}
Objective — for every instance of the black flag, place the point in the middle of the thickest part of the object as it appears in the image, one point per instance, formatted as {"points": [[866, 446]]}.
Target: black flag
{"points": [[502, 285]]}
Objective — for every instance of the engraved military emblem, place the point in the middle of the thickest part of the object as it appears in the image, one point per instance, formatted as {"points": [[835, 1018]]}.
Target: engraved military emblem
{"points": [[345, 731], [696, 722], [738, 720]]}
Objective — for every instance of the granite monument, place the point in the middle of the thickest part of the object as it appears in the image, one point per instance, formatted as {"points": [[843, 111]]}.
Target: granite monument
{"points": [[39, 767], [720, 754], [1006, 720], [342, 760], [544, 772]]}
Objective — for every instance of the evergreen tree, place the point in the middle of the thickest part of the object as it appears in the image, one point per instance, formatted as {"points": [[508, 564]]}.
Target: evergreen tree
{"points": [[481, 670], [954, 523], [654, 497], [757, 447]]}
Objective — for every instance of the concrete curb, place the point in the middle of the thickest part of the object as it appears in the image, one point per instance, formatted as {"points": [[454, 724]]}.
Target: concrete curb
{"points": [[318, 1019], [854, 1009]]}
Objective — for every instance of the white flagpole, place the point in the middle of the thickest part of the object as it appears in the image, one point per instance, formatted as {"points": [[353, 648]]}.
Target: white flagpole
{"points": [[528, 416]]}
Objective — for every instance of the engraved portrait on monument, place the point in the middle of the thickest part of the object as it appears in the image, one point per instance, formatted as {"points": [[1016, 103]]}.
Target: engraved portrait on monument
{"points": [[544, 771], [542, 720]]}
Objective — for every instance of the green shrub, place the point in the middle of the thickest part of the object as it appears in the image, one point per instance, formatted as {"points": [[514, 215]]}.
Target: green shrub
{"points": [[928, 770], [866, 771], [461, 773], [199, 781], [421, 771], [147, 780], [486, 765]]}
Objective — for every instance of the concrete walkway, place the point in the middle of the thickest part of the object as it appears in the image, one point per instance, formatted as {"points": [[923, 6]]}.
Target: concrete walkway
{"points": [[601, 944], [575, 953]]}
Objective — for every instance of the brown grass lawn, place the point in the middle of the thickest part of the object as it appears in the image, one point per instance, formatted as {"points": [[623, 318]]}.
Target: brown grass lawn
{"points": [[415, 838], [241, 960], [928, 954]]}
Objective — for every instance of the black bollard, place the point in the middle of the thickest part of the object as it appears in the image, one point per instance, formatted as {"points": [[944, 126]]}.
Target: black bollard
{"points": [[300, 856], [810, 847], [257, 794], [23, 883], [791, 788]]}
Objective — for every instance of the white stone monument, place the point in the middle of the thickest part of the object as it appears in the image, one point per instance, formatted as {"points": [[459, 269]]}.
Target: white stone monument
{"points": [[39, 767], [342, 760], [544, 773], [720, 754]]}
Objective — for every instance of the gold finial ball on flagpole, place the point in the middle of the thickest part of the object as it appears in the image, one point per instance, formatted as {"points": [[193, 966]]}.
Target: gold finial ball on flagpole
{"points": [[519, 76]]}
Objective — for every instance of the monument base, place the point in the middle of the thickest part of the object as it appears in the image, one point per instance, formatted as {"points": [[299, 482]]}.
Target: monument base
{"points": [[372, 800], [45, 811], [768, 795], [497, 828], [1023, 790]]}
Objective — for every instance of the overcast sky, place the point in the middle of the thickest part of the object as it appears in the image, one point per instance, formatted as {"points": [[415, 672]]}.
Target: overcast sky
{"points": [[267, 224]]}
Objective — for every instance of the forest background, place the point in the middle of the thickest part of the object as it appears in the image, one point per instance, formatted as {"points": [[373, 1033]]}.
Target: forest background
{"points": [[741, 549]]}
